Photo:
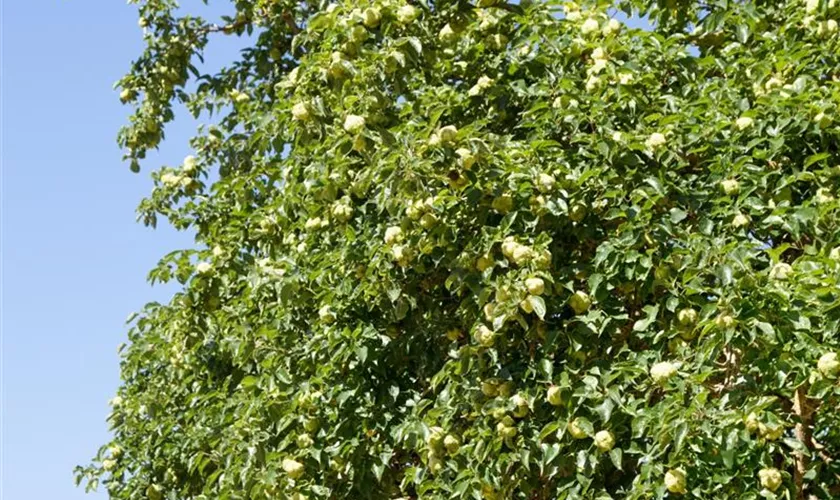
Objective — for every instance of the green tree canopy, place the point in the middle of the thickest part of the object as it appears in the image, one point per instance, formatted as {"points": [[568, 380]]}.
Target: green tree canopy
{"points": [[493, 250]]}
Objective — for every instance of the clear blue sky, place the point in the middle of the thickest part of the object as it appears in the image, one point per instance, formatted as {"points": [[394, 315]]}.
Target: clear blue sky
{"points": [[74, 261]]}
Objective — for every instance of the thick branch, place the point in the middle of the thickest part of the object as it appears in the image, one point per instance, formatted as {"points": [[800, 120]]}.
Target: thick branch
{"points": [[804, 408]]}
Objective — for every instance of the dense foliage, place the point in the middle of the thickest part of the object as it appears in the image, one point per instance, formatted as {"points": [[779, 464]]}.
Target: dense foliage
{"points": [[490, 251]]}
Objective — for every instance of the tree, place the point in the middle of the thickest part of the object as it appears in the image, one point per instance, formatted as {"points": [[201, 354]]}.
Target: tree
{"points": [[504, 250]]}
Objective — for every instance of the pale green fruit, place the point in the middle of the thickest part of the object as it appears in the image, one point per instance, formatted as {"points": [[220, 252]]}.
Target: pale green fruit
{"points": [[554, 396], [301, 112], [453, 334], [506, 389], [526, 306], [312, 425], [435, 463], [724, 321], [354, 124], [522, 254], [490, 388], [575, 430], [372, 17], [743, 122], [687, 316], [781, 271], [485, 336], [304, 441], [770, 433], [448, 134], [604, 440], [452, 444], [542, 259], [293, 468], [428, 221], [326, 314], [520, 406], [580, 302], [407, 14], [435, 437], [546, 183], [503, 204], [730, 186], [489, 310], [662, 372], [506, 428], [154, 492], [109, 464], [770, 478], [823, 120], [752, 422], [393, 235], [447, 34], [577, 212], [483, 263], [467, 157], [535, 286], [828, 365], [675, 481]]}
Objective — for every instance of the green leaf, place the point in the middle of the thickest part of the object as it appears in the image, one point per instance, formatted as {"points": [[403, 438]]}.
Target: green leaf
{"points": [[616, 457], [538, 304]]}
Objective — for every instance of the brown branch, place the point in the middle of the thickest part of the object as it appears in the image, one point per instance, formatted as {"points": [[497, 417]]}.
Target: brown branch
{"points": [[804, 408]]}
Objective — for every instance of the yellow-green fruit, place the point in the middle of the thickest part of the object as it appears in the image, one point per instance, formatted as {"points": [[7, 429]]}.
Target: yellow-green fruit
{"points": [[453, 334], [535, 286], [503, 204], [770, 478], [304, 441], [154, 492], [407, 14], [372, 16], [520, 406], [770, 433], [490, 388], [435, 463], [312, 425], [467, 157], [447, 34], [435, 437], [485, 336], [506, 389], [687, 317], [724, 321], [526, 306], [730, 186], [483, 263], [452, 444], [751, 422], [428, 221], [448, 134], [580, 302], [293, 468], [604, 440], [575, 430], [506, 428], [577, 213], [554, 396], [662, 372], [546, 183], [675, 481], [828, 365]]}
